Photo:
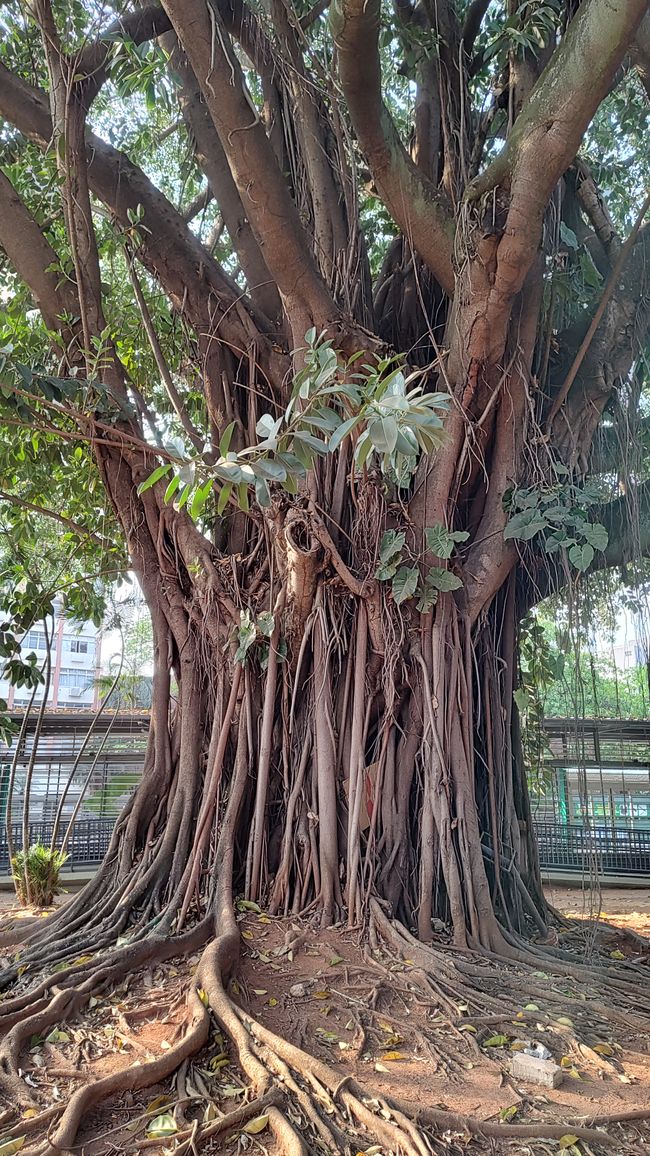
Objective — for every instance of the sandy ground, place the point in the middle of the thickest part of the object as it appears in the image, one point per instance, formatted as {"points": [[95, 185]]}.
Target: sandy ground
{"points": [[627, 908]]}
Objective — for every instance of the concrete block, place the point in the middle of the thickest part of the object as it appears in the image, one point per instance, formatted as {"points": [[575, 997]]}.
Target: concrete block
{"points": [[535, 1071]]}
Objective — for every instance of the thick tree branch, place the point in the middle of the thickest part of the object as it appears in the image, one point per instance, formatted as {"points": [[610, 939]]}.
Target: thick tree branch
{"points": [[33, 258], [640, 52], [261, 186], [473, 20], [420, 210], [198, 205], [170, 250], [547, 134], [592, 203], [212, 160]]}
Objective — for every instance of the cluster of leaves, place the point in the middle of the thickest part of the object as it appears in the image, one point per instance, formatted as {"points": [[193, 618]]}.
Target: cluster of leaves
{"points": [[527, 28], [36, 873], [559, 515], [140, 68], [390, 417], [252, 630], [408, 581]]}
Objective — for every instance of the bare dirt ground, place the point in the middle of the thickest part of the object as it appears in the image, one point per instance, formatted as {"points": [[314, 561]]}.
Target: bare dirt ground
{"points": [[627, 908], [365, 1014]]}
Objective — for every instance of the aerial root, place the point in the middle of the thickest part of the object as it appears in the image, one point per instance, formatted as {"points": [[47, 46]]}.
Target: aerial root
{"points": [[623, 1002]]}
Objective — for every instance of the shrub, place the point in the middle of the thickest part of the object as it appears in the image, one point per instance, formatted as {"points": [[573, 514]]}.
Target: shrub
{"points": [[36, 874]]}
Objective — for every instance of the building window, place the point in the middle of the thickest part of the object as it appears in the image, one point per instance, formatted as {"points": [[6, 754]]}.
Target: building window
{"points": [[34, 640], [76, 645], [68, 678]]}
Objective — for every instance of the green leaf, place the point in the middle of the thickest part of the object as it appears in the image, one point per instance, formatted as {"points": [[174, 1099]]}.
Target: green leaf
{"points": [[57, 1037], [315, 444], [405, 583], [226, 438], [384, 572], [427, 599], [226, 491], [199, 499], [266, 625], [342, 432], [158, 473], [524, 525], [441, 541], [262, 492], [172, 487], [391, 545], [568, 236], [383, 434], [568, 1141], [246, 634], [596, 534], [268, 426], [443, 580], [268, 468], [161, 1126], [495, 1042], [363, 450], [581, 556], [522, 699], [507, 1114]]}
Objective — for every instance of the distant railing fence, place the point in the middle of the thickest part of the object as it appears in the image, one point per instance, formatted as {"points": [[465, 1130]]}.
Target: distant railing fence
{"points": [[609, 850], [614, 840], [86, 847]]}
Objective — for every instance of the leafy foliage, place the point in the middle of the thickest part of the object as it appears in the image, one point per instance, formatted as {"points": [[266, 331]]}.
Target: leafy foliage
{"points": [[391, 422], [559, 513], [36, 874]]}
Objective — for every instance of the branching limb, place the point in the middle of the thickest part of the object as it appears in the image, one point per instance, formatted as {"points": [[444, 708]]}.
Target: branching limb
{"points": [[69, 523], [548, 132], [261, 185], [421, 211]]}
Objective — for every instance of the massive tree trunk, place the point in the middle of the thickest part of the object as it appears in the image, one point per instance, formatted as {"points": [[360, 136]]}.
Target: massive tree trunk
{"points": [[331, 745]]}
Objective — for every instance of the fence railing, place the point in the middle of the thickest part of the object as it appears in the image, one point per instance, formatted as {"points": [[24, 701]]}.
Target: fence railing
{"points": [[610, 851], [566, 847], [86, 847]]}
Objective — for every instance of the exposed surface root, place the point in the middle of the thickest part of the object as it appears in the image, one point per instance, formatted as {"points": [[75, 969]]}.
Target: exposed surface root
{"points": [[305, 1101]]}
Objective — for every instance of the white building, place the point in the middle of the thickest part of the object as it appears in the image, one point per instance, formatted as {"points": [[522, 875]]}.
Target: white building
{"points": [[76, 662]]}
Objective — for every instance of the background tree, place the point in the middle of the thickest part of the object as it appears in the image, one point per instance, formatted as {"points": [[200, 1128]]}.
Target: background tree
{"points": [[232, 217]]}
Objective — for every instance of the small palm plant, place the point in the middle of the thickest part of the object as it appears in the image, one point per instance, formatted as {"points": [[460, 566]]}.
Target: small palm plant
{"points": [[36, 874]]}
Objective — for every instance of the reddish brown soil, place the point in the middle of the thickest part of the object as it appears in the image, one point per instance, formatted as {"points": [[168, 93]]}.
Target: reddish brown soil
{"points": [[318, 995]]}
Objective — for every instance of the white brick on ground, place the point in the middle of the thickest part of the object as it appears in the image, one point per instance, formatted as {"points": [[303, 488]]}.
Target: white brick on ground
{"points": [[534, 1071]]}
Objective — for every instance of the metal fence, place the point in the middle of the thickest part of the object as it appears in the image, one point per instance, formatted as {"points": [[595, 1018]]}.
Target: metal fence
{"points": [[562, 847], [608, 850], [86, 847]]}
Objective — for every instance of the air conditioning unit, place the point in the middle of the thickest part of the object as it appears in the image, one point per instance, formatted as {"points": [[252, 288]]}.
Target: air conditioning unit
{"points": [[76, 691]]}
